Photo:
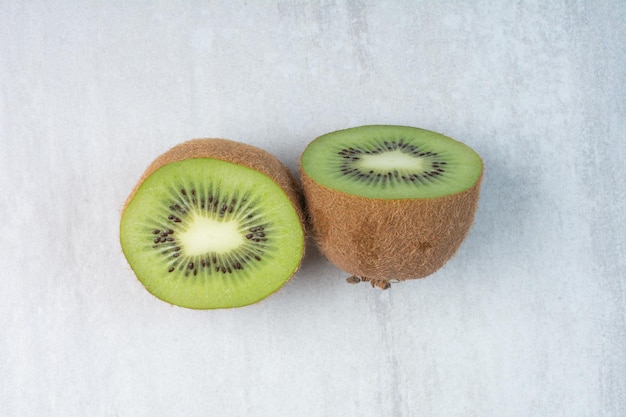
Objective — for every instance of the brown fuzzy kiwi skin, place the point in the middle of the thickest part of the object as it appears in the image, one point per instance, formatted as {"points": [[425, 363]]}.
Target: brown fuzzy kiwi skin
{"points": [[238, 153], [382, 240]]}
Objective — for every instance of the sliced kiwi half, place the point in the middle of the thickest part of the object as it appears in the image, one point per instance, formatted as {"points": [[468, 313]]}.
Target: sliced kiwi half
{"points": [[213, 223], [390, 202]]}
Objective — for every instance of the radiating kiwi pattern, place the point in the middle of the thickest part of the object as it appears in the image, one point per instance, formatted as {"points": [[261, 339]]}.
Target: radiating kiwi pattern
{"points": [[390, 162], [354, 164], [187, 205]]}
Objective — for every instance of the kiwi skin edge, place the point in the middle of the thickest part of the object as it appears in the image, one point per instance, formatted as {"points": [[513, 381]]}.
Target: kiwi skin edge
{"points": [[229, 151], [382, 241], [240, 154]]}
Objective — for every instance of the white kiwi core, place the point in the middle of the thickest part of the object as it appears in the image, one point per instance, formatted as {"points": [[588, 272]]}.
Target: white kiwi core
{"points": [[205, 235], [391, 160]]}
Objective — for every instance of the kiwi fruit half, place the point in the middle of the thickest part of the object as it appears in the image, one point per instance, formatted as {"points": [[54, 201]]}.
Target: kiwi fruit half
{"points": [[213, 223], [389, 203]]}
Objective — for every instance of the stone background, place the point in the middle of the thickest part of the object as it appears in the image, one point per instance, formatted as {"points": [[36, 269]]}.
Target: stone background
{"points": [[528, 319]]}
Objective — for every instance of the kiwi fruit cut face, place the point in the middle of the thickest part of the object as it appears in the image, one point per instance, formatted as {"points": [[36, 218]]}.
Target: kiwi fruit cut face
{"points": [[390, 202], [213, 224]]}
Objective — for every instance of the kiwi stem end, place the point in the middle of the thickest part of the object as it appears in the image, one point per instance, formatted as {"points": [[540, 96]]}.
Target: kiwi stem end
{"points": [[382, 284]]}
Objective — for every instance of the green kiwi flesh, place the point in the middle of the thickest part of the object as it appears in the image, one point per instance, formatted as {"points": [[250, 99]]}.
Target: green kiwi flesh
{"points": [[391, 162], [205, 233]]}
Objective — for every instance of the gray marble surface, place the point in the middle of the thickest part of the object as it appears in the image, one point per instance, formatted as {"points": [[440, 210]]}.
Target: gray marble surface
{"points": [[528, 319]]}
